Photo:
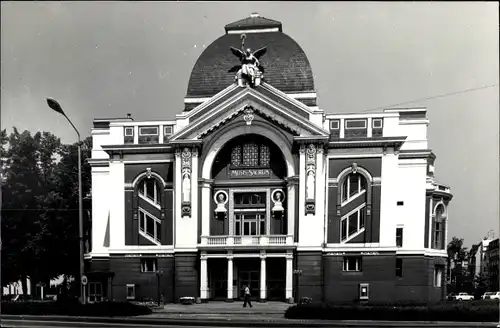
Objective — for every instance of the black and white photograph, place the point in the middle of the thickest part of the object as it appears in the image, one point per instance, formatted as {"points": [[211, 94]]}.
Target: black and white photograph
{"points": [[167, 163]]}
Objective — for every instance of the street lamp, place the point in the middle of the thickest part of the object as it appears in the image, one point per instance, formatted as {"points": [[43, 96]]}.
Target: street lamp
{"points": [[159, 273], [57, 108]]}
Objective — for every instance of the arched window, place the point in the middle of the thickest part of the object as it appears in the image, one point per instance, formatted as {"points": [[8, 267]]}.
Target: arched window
{"points": [[150, 193], [250, 154], [150, 190], [353, 186], [439, 227]]}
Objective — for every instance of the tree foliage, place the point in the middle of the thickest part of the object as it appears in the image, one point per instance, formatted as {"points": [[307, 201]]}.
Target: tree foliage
{"points": [[40, 205]]}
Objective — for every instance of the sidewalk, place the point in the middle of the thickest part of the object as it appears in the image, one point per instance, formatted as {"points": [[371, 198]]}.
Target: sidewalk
{"points": [[234, 308]]}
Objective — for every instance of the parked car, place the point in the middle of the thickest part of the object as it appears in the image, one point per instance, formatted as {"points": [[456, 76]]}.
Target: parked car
{"points": [[491, 296], [22, 298], [451, 297], [463, 297]]}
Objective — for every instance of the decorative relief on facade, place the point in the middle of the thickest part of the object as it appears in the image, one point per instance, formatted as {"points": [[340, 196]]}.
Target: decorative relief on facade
{"points": [[148, 173], [354, 168], [310, 178], [186, 181], [248, 117], [278, 196], [221, 198]]}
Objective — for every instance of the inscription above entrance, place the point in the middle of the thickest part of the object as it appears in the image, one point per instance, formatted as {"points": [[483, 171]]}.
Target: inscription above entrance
{"points": [[249, 173]]}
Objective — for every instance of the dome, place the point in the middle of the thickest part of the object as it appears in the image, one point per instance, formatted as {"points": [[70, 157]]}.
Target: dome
{"points": [[286, 66]]}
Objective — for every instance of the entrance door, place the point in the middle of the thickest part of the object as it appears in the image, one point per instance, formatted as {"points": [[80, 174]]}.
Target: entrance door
{"points": [[250, 278]]}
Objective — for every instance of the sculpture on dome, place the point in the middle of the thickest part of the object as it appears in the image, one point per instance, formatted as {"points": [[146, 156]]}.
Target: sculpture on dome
{"points": [[250, 68]]}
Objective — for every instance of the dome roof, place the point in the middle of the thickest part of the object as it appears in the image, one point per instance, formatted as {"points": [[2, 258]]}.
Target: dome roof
{"points": [[286, 66]]}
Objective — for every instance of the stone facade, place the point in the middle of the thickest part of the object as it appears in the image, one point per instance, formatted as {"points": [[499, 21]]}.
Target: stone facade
{"points": [[257, 185]]}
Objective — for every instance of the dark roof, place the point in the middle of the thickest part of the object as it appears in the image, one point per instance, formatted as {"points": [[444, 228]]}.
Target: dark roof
{"points": [[286, 66], [253, 22]]}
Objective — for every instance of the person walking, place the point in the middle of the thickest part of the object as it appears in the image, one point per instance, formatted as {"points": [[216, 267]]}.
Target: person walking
{"points": [[247, 296]]}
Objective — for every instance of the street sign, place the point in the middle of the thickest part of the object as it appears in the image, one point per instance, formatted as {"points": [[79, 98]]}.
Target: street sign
{"points": [[84, 280]]}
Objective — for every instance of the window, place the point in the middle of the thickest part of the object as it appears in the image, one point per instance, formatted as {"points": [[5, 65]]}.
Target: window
{"points": [[129, 132], [334, 124], [439, 228], [250, 199], [150, 190], [377, 123], [251, 155], [399, 237], [168, 130], [353, 186], [352, 224], [265, 155], [352, 263], [95, 292], [438, 276], [355, 124], [148, 131], [149, 226], [400, 203], [399, 267], [149, 265], [246, 224], [130, 291]]}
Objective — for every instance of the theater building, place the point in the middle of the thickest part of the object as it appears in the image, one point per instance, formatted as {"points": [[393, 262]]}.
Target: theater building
{"points": [[255, 183]]}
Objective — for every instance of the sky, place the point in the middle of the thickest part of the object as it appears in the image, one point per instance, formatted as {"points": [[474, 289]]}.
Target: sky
{"points": [[107, 59]]}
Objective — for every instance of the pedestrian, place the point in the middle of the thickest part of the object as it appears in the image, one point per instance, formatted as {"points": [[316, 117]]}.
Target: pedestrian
{"points": [[247, 297]]}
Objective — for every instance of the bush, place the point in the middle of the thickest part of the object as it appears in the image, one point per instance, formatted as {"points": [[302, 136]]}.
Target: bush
{"points": [[305, 300], [104, 309], [187, 300], [464, 311]]}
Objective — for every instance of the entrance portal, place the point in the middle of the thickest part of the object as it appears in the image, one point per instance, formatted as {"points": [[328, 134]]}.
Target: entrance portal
{"points": [[250, 278], [247, 272]]}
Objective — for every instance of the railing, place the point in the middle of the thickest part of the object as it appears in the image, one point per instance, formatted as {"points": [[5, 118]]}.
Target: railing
{"points": [[247, 240]]}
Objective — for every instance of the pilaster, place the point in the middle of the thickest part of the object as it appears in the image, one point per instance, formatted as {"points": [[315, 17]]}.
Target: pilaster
{"points": [[263, 275], [230, 277]]}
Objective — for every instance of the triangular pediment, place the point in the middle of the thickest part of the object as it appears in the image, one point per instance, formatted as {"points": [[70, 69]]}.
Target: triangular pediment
{"points": [[265, 102]]}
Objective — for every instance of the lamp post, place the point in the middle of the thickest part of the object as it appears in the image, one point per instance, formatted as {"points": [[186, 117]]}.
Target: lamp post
{"points": [[159, 273], [298, 273], [57, 108]]}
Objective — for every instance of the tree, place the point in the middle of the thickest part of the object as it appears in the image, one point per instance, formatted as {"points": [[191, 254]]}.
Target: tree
{"points": [[64, 197], [457, 254], [30, 161], [40, 209]]}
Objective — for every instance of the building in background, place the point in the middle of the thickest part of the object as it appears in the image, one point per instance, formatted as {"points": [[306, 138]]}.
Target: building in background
{"points": [[254, 183], [492, 265]]}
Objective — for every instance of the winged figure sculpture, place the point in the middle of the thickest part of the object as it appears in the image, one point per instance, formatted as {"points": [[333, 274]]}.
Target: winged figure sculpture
{"points": [[250, 67]]}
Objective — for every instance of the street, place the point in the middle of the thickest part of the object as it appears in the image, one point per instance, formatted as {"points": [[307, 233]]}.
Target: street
{"points": [[38, 322]]}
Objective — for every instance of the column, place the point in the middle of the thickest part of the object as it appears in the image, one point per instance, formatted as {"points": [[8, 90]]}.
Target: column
{"points": [[194, 186], [289, 276], [291, 207], [320, 193], [203, 277], [302, 183], [230, 278], [206, 212], [263, 284], [177, 197]]}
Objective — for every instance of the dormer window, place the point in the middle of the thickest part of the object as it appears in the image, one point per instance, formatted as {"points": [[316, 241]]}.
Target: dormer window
{"points": [[168, 130], [129, 131]]}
